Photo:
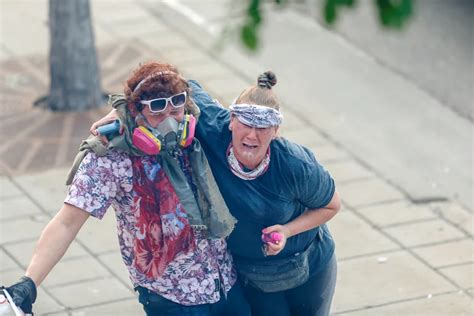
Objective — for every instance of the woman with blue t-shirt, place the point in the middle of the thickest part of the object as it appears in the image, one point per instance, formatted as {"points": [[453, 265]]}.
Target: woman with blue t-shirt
{"points": [[280, 195]]}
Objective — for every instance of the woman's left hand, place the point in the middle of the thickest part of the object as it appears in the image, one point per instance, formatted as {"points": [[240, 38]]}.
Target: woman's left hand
{"points": [[273, 249]]}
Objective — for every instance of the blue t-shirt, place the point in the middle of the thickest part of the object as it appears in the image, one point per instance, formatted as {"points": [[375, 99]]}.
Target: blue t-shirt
{"points": [[293, 183]]}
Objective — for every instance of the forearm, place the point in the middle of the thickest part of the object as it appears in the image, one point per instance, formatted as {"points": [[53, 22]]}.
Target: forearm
{"points": [[54, 241], [306, 221], [309, 220], [313, 218], [202, 99]]}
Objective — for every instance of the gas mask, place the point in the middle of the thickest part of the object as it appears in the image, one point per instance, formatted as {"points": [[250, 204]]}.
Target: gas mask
{"points": [[168, 136]]}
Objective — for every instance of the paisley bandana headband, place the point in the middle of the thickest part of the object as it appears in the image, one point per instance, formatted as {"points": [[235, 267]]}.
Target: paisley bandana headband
{"points": [[256, 115]]}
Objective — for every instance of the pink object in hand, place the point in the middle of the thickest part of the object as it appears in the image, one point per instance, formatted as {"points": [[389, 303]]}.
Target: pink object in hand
{"points": [[273, 237]]}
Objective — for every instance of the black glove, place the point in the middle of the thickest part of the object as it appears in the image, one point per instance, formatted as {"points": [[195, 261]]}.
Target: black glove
{"points": [[23, 294]]}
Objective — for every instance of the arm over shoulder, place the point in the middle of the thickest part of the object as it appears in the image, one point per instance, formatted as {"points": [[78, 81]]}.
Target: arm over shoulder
{"points": [[214, 118]]}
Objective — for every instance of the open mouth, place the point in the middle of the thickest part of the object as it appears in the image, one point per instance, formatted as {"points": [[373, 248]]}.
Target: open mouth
{"points": [[249, 146]]}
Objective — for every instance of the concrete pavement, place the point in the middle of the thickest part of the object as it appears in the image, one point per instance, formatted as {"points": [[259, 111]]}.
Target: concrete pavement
{"points": [[405, 134], [396, 257]]}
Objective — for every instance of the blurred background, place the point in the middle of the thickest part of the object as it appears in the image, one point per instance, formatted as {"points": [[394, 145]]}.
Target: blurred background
{"points": [[381, 91]]}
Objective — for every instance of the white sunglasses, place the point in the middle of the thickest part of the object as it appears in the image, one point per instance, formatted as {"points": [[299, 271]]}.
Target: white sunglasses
{"points": [[159, 105]]}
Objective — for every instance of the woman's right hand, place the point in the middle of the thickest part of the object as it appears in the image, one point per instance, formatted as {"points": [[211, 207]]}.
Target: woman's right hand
{"points": [[109, 118], [272, 249]]}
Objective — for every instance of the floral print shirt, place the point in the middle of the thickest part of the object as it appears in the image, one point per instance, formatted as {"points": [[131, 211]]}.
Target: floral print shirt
{"points": [[192, 278]]}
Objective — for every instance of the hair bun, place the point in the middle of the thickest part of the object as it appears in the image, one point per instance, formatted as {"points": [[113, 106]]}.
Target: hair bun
{"points": [[267, 80]]}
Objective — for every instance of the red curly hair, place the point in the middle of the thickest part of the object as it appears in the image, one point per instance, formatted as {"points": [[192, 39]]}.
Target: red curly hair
{"points": [[163, 80]]}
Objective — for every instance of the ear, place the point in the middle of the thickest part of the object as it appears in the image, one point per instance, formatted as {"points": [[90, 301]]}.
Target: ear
{"points": [[231, 123], [275, 135]]}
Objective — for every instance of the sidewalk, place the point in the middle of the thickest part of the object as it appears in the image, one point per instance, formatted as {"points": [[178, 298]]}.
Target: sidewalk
{"points": [[395, 257]]}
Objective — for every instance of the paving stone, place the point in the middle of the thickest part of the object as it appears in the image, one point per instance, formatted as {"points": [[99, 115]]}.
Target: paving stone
{"points": [[85, 268], [100, 236], [448, 253], [4, 55], [400, 277], [305, 136], [35, 12], [396, 213], [21, 229], [329, 153], [122, 308], [112, 54], [226, 83], [344, 208], [183, 57], [368, 192], [122, 10], [8, 277], [452, 211], [126, 307], [8, 189], [355, 237], [115, 263], [22, 251], [47, 188], [423, 233], [456, 214], [44, 302], [149, 30], [15, 207], [217, 12], [6, 262], [115, 78], [91, 293], [102, 35], [290, 121], [348, 170], [468, 225], [166, 40], [462, 275], [459, 304], [13, 155], [42, 157], [206, 71]]}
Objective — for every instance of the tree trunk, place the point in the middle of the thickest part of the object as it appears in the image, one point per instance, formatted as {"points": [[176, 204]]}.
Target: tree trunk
{"points": [[75, 79]]}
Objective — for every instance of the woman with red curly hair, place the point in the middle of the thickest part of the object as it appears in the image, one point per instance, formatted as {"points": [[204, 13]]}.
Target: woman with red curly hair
{"points": [[171, 219]]}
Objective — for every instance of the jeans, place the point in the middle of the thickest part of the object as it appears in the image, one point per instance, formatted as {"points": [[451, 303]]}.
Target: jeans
{"points": [[157, 305], [312, 298], [232, 305]]}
